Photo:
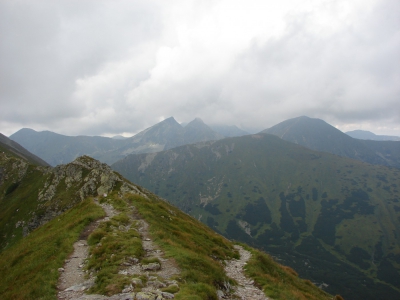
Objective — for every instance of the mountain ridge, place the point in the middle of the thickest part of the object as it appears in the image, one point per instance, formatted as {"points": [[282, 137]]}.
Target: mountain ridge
{"points": [[318, 135], [60, 149], [368, 135]]}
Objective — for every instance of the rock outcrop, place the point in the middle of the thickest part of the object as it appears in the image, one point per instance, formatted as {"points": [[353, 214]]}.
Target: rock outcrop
{"points": [[78, 180]]}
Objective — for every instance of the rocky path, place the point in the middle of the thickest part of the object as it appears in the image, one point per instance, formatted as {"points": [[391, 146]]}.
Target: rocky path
{"points": [[167, 267], [246, 290], [72, 282]]}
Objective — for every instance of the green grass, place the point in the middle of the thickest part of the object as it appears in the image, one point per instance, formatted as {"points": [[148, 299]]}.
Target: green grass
{"points": [[197, 250], [17, 199], [280, 282], [109, 248], [28, 270]]}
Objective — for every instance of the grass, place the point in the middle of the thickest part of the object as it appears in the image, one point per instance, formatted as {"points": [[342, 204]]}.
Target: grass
{"points": [[110, 246], [197, 249], [280, 282], [29, 268]]}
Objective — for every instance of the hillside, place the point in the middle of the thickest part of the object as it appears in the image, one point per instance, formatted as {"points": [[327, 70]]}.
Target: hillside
{"points": [[335, 220], [82, 231], [318, 135], [12, 147], [60, 149]]}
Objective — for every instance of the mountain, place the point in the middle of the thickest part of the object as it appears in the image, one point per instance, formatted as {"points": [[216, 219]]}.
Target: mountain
{"points": [[335, 220], [388, 151], [368, 135], [197, 131], [10, 146], [318, 135], [229, 131], [162, 136], [60, 149], [81, 228]]}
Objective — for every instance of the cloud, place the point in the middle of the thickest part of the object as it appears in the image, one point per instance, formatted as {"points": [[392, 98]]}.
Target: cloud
{"points": [[102, 67]]}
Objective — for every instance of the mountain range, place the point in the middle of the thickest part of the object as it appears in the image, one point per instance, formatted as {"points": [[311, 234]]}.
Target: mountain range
{"points": [[60, 149], [82, 231], [317, 199], [334, 219], [312, 133], [318, 135], [368, 135]]}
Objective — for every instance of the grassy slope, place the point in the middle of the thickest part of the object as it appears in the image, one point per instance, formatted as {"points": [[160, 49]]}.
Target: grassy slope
{"points": [[294, 201], [29, 268], [199, 252], [18, 197]]}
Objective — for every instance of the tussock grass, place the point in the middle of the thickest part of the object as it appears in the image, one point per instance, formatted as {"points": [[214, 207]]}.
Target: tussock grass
{"points": [[28, 270]]}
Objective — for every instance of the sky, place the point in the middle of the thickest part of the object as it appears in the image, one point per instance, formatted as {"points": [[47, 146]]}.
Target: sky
{"points": [[117, 67]]}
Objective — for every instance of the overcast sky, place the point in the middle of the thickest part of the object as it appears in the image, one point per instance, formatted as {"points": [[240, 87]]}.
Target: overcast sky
{"points": [[118, 67]]}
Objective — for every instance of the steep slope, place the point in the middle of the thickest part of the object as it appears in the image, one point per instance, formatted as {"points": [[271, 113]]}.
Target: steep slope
{"points": [[144, 248], [335, 220], [10, 146], [368, 135], [318, 135], [60, 149]]}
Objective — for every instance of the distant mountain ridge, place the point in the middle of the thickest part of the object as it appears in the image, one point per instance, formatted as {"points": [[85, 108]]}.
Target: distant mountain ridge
{"points": [[229, 131], [318, 135], [368, 135], [60, 149]]}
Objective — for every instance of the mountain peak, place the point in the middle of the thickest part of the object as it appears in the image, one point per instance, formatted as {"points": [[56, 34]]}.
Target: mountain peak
{"points": [[196, 121], [170, 120]]}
